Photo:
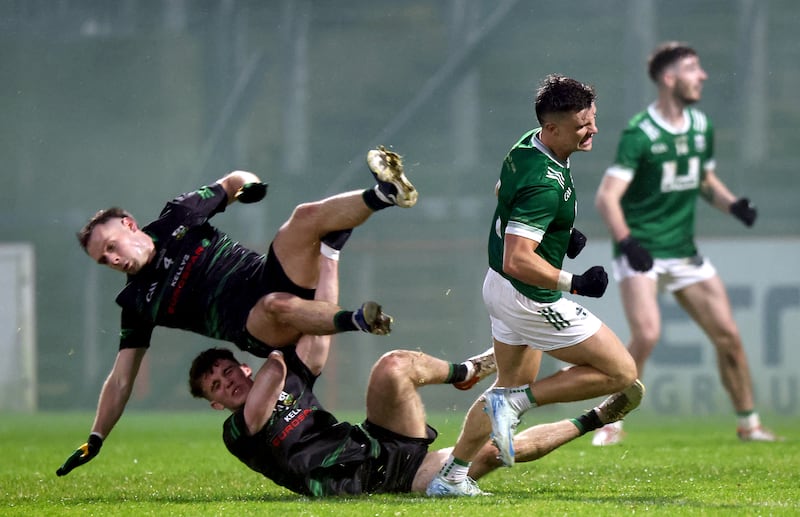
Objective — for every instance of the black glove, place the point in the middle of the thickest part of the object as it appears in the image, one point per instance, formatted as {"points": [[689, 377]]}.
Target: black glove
{"points": [[638, 257], [745, 211], [82, 455], [577, 241], [251, 192], [592, 283]]}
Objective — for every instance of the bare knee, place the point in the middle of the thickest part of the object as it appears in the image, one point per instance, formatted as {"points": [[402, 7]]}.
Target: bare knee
{"points": [[305, 216], [277, 305], [392, 365]]}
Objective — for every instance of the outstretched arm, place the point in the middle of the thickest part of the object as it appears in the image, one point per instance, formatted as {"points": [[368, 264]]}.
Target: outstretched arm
{"points": [[113, 398], [117, 389]]}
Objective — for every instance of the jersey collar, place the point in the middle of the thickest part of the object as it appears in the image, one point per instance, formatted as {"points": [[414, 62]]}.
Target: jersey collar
{"points": [[666, 126], [546, 150]]}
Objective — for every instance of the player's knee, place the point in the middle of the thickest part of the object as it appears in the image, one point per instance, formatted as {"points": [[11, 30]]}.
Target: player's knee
{"points": [[277, 304], [392, 363], [305, 214], [626, 375], [394, 368]]}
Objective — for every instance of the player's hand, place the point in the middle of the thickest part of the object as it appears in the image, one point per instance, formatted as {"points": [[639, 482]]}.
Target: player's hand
{"points": [[577, 241], [638, 257], [745, 211], [251, 192], [592, 283], [82, 455]]}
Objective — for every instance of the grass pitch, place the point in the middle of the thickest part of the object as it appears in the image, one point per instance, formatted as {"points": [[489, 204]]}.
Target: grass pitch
{"points": [[176, 464]]}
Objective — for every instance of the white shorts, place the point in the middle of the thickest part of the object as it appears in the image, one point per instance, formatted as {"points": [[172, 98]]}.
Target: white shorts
{"points": [[670, 274], [518, 320]]}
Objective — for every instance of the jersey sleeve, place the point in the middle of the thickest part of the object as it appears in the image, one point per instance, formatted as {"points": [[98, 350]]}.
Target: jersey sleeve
{"points": [[630, 150], [532, 212], [200, 205], [135, 332]]}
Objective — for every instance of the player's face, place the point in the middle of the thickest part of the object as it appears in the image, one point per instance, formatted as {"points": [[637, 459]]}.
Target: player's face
{"points": [[227, 384], [689, 78], [576, 130], [120, 245]]}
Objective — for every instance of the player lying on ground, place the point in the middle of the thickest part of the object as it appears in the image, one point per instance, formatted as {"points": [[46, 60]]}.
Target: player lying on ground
{"points": [[184, 273], [280, 429]]}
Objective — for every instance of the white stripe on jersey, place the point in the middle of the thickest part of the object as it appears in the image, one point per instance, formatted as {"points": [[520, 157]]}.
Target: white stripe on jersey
{"points": [[649, 129], [618, 171], [524, 230], [555, 175], [699, 120]]}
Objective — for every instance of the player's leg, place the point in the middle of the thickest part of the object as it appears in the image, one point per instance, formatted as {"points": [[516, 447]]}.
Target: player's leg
{"points": [[393, 401], [540, 440], [602, 365], [296, 244], [521, 362], [639, 294], [708, 304], [392, 398], [280, 318]]}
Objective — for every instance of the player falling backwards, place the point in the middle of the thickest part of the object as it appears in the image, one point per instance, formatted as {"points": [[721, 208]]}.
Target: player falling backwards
{"points": [[184, 273]]}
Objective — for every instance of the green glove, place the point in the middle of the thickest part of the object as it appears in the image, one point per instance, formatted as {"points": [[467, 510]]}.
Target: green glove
{"points": [[83, 454], [251, 192]]}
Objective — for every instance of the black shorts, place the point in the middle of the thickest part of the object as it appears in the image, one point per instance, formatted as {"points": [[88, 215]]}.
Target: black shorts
{"points": [[274, 280], [401, 457]]}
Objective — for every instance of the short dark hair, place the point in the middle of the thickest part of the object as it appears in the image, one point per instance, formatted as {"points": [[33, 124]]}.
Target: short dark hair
{"points": [[99, 218], [560, 94], [665, 55], [203, 364]]}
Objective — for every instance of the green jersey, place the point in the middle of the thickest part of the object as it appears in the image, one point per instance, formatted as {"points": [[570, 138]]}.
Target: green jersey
{"points": [[665, 167], [536, 200]]}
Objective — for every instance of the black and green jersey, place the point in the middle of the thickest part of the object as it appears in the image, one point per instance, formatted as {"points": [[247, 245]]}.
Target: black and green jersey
{"points": [[536, 199], [200, 280], [665, 167], [303, 447]]}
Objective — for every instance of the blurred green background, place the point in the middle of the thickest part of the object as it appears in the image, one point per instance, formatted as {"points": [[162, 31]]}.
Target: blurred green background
{"points": [[132, 102]]}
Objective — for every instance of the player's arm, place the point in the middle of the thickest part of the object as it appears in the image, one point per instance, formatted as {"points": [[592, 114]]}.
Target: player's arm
{"points": [[243, 186], [113, 397], [720, 197], [267, 386], [520, 261], [117, 389], [314, 350], [608, 203]]}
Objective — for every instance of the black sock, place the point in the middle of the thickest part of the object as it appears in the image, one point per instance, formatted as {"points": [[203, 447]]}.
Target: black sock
{"points": [[337, 238], [588, 421], [458, 373], [372, 200], [343, 321]]}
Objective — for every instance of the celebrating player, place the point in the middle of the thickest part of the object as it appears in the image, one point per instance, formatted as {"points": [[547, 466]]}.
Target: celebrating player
{"points": [[531, 232], [647, 198], [184, 273]]}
